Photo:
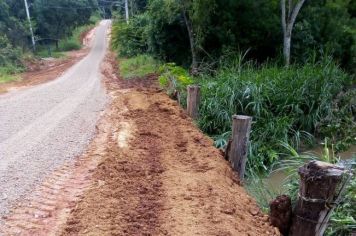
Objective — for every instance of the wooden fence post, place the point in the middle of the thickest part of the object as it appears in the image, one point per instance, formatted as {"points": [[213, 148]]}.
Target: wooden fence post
{"points": [[318, 193], [237, 155], [280, 214], [193, 99]]}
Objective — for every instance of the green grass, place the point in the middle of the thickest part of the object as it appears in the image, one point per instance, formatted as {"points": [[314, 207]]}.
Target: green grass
{"points": [[5, 78], [138, 66], [8, 74], [43, 52], [290, 105], [73, 42], [70, 43]]}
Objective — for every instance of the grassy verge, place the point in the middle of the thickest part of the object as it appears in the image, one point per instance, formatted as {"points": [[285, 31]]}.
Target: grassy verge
{"points": [[295, 105], [8, 74], [138, 66]]}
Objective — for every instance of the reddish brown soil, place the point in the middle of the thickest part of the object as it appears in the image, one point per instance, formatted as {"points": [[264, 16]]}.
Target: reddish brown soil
{"points": [[149, 171], [164, 178], [40, 71]]}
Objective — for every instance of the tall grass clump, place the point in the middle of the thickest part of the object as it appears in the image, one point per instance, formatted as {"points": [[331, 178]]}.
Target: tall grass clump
{"points": [[287, 104], [73, 42], [138, 66]]}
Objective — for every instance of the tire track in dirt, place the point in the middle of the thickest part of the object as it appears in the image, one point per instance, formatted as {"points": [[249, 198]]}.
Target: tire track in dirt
{"points": [[48, 207]]}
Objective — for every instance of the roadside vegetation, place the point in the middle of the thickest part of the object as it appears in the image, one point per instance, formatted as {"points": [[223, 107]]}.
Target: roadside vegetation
{"points": [[234, 53], [138, 66], [73, 41]]}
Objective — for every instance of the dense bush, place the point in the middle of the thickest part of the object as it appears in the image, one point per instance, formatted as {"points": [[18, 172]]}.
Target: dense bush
{"points": [[322, 28], [9, 56], [69, 44], [130, 39], [287, 104], [174, 79]]}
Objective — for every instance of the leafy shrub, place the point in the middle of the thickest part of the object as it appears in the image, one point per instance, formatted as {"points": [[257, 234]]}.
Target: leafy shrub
{"points": [[69, 44], [7, 74], [174, 79], [129, 39], [9, 55], [340, 125], [73, 42], [287, 104], [138, 66]]}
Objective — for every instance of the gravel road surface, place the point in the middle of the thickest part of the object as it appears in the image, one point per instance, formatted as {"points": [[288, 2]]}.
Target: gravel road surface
{"points": [[44, 126]]}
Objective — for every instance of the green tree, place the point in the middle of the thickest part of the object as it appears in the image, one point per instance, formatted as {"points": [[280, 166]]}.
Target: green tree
{"points": [[193, 15], [56, 19]]}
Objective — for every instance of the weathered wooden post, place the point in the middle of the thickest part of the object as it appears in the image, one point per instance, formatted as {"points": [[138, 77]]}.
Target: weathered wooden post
{"points": [[237, 153], [280, 214], [193, 99], [318, 192]]}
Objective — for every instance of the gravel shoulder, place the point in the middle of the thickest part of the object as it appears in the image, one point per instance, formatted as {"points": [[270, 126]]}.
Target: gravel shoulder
{"points": [[44, 126]]}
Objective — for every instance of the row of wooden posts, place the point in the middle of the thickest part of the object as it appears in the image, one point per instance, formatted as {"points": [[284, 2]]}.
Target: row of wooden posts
{"points": [[319, 189]]}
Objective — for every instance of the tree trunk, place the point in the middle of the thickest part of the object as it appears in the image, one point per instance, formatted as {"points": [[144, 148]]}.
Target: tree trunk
{"points": [[127, 11], [193, 50], [286, 49], [288, 20]]}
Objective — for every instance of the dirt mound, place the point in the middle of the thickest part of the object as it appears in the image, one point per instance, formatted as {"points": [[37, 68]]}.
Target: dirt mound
{"points": [[161, 175]]}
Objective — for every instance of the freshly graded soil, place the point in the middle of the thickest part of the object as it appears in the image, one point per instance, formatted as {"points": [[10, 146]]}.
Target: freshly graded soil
{"points": [[160, 175], [148, 171]]}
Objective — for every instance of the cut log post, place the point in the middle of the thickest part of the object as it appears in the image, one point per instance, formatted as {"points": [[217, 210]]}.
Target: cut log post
{"points": [[280, 214], [317, 194], [241, 126], [193, 100]]}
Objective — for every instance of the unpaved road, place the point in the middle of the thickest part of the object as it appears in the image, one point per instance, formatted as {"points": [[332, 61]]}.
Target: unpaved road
{"points": [[147, 171], [44, 126]]}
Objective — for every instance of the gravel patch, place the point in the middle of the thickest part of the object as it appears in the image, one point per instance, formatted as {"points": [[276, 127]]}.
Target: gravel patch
{"points": [[44, 126]]}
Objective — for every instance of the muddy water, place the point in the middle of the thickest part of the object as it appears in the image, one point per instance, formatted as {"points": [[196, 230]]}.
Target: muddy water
{"points": [[276, 179]]}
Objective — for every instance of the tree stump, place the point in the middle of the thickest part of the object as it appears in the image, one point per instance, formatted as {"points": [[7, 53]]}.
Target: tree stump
{"points": [[193, 99], [237, 155], [317, 193], [280, 214]]}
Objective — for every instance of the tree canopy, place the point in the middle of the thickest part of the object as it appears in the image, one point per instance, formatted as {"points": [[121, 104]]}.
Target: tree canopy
{"points": [[321, 28]]}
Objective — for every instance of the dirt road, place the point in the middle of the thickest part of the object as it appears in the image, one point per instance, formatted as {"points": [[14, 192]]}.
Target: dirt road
{"points": [[147, 171], [44, 126]]}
